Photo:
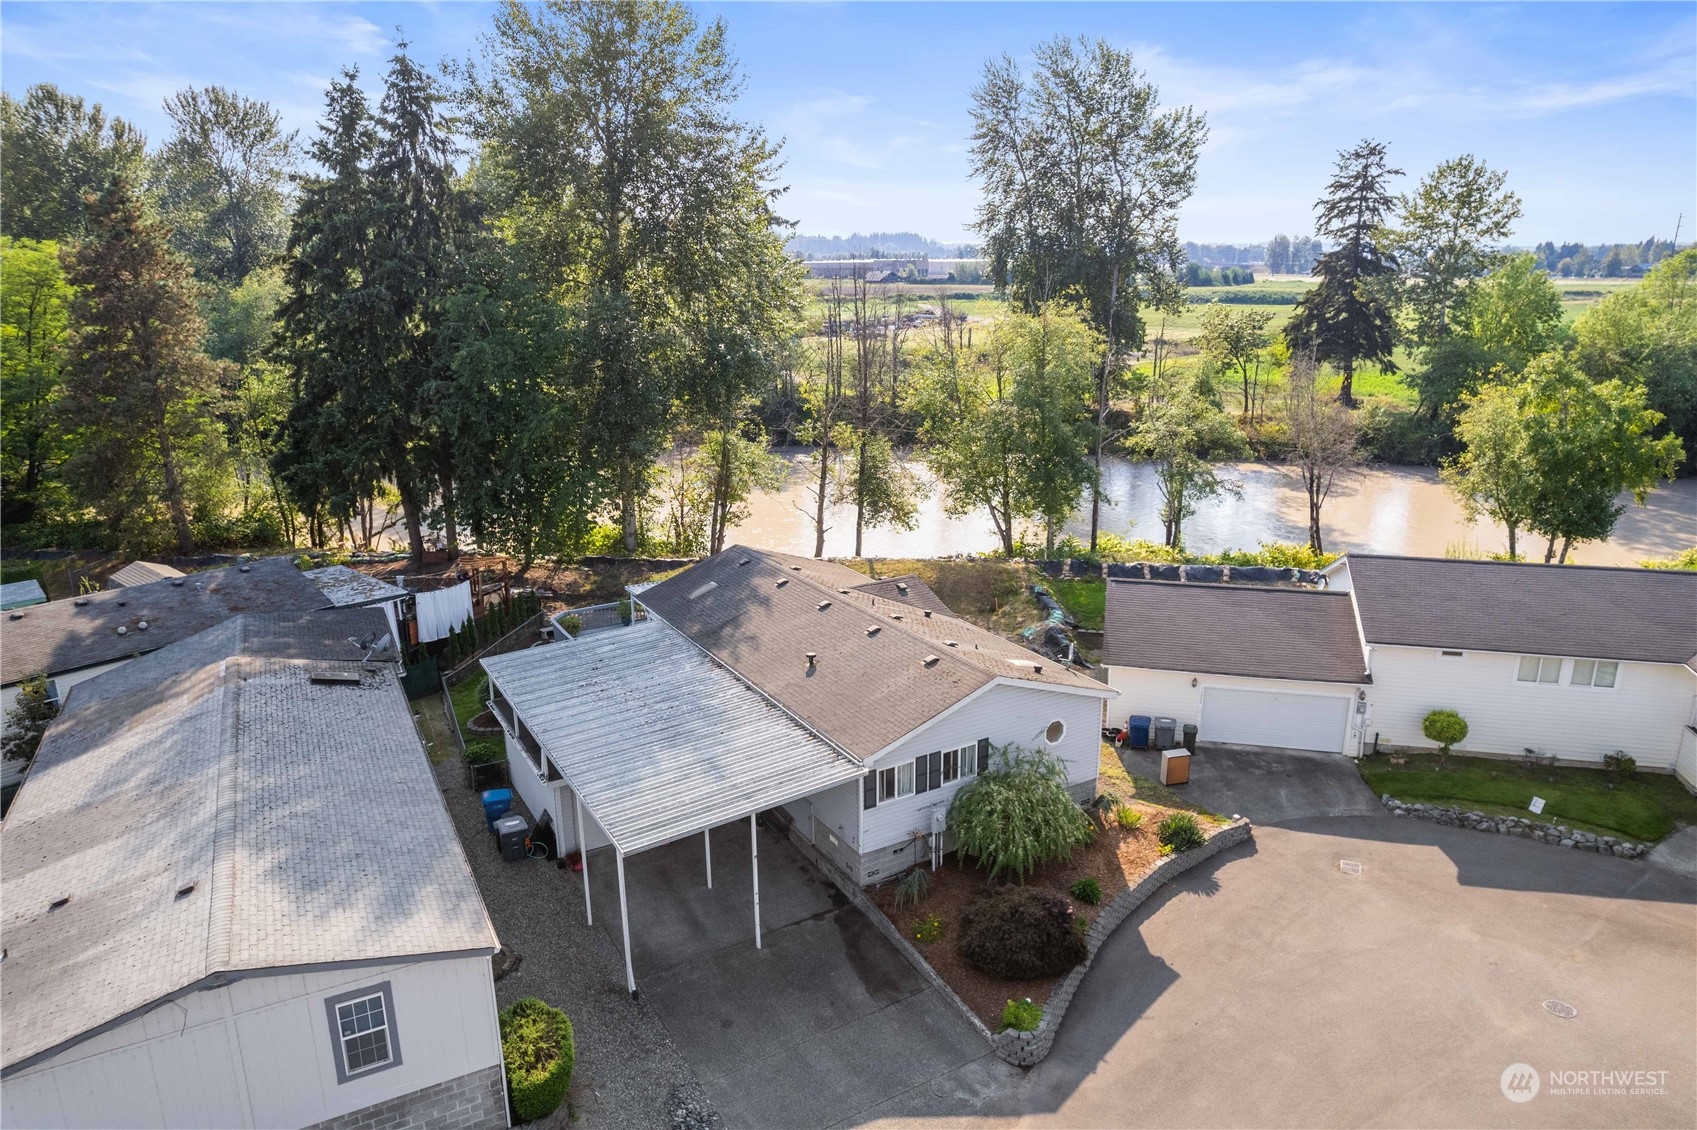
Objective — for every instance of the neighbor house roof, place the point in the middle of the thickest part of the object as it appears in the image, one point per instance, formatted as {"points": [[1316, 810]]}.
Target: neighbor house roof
{"points": [[211, 810], [883, 667], [1642, 615], [348, 588], [141, 573], [659, 739], [68, 635], [1251, 631], [21, 594], [908, 589]]}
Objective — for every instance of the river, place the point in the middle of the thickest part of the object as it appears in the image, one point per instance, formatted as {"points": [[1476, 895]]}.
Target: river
{"points": [[1381, 509]]}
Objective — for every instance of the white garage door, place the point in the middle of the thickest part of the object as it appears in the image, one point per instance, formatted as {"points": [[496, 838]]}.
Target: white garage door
{"points": [[1276, 718]]}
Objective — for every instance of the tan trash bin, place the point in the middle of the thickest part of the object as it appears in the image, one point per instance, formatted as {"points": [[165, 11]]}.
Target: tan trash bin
{"points": [[1175, 766]]}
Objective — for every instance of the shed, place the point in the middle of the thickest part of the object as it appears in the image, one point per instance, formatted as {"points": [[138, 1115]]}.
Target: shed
{"points": [[141, 573], [21, 594]]}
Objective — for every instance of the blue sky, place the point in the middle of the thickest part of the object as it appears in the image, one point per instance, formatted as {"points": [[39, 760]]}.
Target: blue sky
{"points": [[1592, 109]]}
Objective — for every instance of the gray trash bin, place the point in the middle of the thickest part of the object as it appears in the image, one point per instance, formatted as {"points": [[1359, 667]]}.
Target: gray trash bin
{"points": [[1166, 733], [510, 833], [1190, 736]]}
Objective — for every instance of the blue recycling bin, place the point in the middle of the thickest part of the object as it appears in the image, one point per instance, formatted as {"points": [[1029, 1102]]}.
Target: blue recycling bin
{"points": [[1138, 731], [496, 804]]}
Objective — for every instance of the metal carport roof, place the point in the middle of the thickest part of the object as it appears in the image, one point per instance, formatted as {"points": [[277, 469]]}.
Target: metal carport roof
{"points": [[657, 738]]}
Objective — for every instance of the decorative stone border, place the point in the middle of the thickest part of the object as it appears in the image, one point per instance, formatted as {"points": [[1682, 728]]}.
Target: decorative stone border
{"points": [[1559, 835], [1024, 1049]]}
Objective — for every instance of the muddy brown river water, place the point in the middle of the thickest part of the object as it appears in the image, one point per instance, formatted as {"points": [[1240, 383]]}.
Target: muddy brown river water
{"points": [[1377, 510]]}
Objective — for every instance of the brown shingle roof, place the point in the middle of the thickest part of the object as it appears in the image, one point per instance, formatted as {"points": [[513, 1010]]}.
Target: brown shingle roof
{"points": [[883, 668], [1262, 633], [908, 589], [68, 635], [1647, 615]]}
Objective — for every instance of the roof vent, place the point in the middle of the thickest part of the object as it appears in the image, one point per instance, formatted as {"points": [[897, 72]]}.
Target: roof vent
{"points": [[795, 568], [901, 586], [843, 591], [176, 582], [927, 612], [59, 903], [336, 677], [80, 601], [247, 569], [824, 604], [950, 643], [812, 659], [932, 660], [123, 604], [782, 581], [744, 561], [142, 625], [704, 589], [873, 630], [895, 615], [1036, 668], [185, 891], [16, 616], [123, 631]]}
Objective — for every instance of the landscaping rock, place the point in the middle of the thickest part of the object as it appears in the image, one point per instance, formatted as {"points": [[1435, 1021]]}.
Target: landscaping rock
{"points": [[1556, 835]]}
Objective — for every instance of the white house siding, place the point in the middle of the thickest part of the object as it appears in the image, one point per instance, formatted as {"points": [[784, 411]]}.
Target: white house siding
{"points": [[258, 1053], [1168, 694], [1645, 713], [556, 799], [1007, 715], [834, 824], [1686, 766]]}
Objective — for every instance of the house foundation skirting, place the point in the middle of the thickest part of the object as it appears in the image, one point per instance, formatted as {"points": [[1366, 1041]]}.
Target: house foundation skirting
{"points": [[477, 1101], [1024, 1049]]}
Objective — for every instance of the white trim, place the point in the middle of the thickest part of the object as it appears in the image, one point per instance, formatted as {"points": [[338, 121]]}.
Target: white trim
{"points": [[1106, 693]]}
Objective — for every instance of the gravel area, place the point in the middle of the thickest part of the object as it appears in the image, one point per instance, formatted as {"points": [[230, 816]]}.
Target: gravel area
{"points": [[629, 1073]]}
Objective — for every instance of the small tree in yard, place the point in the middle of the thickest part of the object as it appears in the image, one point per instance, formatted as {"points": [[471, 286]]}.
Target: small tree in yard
{"points": [[1445, 727], [1018, 815]]}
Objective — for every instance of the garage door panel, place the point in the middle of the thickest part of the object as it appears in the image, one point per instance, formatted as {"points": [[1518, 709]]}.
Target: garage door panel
{"points": [[1292, 719]]}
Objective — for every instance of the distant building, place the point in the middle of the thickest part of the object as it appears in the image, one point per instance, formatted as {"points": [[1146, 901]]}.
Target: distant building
{"points": [[141, 573], [21, 594]]}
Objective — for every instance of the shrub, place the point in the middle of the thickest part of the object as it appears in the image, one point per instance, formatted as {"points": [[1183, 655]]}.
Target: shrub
{"points": [[537, 1048], [912, 888], [1021, 1016], [1087, 890], [1166, 849], [1130, 819], [1180, 832], [572, 625], [928, 929], [1020, 933], [1620, 764], [1445, 727], [1018, 815]]}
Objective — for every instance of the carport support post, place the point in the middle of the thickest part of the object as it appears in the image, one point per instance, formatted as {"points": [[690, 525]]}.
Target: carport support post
{"points": [[707, 841], [582, 854], [754, 857], [624, 922]]}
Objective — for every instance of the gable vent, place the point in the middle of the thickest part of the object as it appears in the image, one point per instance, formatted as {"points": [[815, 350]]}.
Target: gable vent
{"points": [[824, 604], [932, 660], [184, 892], [57, 904]]}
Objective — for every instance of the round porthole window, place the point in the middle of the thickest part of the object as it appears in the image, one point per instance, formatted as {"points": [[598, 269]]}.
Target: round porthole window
{"points": [[1056, 731]]}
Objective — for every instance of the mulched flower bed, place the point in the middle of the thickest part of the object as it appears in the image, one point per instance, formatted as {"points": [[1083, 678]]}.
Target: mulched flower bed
{"points": [[1116, 859]]}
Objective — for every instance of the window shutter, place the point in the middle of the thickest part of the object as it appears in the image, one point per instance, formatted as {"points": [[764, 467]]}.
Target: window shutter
{"points": [[869, 790], [983, 755], [921, 777], [937, 770]]}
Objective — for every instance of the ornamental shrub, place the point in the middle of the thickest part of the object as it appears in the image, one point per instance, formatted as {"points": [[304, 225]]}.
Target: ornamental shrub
{"points": [[537, 1049], [1130, 819], [1180, 832], [912, 888], [1022, 1016], [1020, 933], [1445, 727], [1018, 815], [1087, 890], [928, 929]]}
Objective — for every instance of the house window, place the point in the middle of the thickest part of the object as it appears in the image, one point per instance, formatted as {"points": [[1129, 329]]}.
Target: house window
{"points": [[961, 763], [362, 1031], [1056, 731], [1594, 673], [1539, 669], [896, 781]]}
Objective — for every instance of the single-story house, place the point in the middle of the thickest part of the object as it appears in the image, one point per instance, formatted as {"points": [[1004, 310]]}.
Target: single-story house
{"points": [[755, 681], [233, 897], [21, 594], [141, 573], [73, 640], [1572, 661]]}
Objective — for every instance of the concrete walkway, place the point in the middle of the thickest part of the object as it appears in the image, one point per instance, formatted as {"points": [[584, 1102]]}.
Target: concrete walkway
{"points": [[1677, 853], [1270, 786]]}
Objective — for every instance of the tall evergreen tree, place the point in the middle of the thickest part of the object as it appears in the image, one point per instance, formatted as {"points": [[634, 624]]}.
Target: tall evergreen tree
{"points": [[137, 386], [1346, 318], [54, 151]]}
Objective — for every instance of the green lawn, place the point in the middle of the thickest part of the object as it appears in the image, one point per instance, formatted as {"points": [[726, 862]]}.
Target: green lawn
{"points": [[1644, 806], [1084, 600], [468, 698]]}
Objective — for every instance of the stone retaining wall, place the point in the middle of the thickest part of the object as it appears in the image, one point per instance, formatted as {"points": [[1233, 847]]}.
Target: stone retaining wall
{"points": [[1558, 835], [1026, 1048]]}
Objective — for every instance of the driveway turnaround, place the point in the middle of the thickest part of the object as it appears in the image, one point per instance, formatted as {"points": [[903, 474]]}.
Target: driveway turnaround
{"points": [[1270, 786], [1274, 988]]}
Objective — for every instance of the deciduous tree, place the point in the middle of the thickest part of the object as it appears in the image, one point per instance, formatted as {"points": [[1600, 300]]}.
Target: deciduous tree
{"points": [[1182, 433], [1449, 232], [1323, 437], [34, 311], [54, 152], [1234, 337]]}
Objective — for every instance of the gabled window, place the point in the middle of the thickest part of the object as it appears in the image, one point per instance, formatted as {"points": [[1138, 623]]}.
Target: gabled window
{"points": [[1594, 673], [1539, 669]]}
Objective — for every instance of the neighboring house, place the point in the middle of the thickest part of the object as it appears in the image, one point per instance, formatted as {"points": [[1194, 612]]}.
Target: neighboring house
{"points": [[349, 588], [21, 594], [141, 573], [1572, 661], [875, 705], [233, 897], [73, 640]]}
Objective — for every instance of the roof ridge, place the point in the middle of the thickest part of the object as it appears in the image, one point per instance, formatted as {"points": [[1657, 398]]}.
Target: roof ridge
{"points": [[1245, 586], [1636, 570]]}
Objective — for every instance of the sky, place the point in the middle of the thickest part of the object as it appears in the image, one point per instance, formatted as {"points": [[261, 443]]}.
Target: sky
{"points": [[1590, 108]]}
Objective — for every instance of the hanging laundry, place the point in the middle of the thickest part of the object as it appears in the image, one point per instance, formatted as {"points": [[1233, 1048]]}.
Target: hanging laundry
{"points": [[443, 611]]}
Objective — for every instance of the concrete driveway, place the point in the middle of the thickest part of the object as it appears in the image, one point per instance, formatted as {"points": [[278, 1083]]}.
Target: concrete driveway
{"points": [[1270, 786], [824, 1021], [1269, 988]]}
